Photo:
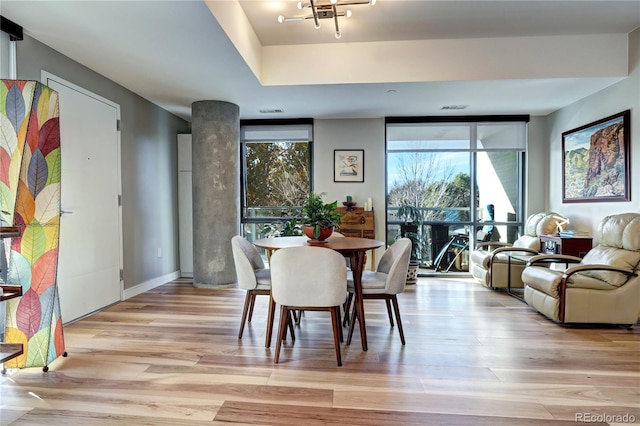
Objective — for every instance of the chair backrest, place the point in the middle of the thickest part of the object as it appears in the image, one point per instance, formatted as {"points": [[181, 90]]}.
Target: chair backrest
{"points": [[620, 231], [395, 262], [536, 225], [618, 238], [308, 276], [247, 260]]}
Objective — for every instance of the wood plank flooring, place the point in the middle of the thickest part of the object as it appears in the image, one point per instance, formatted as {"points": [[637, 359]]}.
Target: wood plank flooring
{"points": [[473, 356]]}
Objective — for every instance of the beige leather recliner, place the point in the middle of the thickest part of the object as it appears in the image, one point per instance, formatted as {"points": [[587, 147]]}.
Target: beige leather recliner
{"points": [[604, 288], [491, 267]]}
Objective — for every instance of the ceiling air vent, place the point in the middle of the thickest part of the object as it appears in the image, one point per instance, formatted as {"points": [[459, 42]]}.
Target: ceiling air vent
{"points": [[271, 111], [450, 107]]}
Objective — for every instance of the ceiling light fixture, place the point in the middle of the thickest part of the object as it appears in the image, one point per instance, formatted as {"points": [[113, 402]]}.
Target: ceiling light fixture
{"points": [[325, 10]]}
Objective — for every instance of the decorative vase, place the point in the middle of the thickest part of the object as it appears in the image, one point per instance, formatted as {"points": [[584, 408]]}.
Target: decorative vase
{"points": [[325, 233], [412, 272]]}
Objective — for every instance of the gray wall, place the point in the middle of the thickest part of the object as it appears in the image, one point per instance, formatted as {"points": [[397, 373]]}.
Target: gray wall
{"points": [[366, 134], [616, 98], [149, 163], [537, 168]]}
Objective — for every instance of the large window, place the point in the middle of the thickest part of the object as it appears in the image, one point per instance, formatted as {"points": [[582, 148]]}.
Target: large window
{"points": [[464, 178], [276, 175]]}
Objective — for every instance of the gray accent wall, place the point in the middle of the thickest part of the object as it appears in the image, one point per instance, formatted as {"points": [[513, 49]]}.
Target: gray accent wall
{"points": [[536, 168], [366, 134], [149, 163]]}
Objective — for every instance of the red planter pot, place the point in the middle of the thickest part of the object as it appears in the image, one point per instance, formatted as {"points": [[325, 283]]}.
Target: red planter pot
{"points": [[324, 233]]}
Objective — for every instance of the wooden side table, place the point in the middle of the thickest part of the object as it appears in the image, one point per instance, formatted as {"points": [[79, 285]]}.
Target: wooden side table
{"points": [[573, 246], [358, 222]]}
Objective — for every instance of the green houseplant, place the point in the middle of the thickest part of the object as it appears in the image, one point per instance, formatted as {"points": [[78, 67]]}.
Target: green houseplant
{"points": [[319, 218]]}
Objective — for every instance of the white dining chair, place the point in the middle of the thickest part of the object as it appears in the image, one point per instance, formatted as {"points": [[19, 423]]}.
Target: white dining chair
{"points": [[308, 278], [386, 282], [252, 276]]}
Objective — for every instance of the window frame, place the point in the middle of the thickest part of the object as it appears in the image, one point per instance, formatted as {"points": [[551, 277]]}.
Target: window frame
{"points": [[276, 125], [474, 122]]}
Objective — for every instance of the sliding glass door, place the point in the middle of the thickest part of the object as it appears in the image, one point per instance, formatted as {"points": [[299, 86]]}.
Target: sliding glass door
{"points": [[463, 179]]}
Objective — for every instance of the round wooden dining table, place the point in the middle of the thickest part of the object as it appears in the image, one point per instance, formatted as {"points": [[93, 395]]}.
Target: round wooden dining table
{"points": [[350, 247]]}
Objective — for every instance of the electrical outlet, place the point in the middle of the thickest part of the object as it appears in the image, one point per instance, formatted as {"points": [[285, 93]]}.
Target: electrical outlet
{"points": [[159, 251]]}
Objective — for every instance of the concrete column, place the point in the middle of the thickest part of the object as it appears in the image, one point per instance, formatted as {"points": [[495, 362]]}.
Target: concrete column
{"points": [[215, 130]]}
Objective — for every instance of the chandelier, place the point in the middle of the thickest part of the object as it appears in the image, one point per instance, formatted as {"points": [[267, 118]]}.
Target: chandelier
{"points": [[323, 10]]}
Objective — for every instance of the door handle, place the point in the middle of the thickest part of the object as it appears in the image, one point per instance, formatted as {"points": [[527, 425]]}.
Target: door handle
{"points": [[65, 212]]}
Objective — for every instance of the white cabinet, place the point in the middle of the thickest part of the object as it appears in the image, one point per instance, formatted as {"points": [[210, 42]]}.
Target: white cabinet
{"points": [[185, 205]]}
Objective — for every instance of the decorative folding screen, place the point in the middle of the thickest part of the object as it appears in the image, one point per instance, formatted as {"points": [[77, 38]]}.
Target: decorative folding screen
{"points": [[30, 198]]}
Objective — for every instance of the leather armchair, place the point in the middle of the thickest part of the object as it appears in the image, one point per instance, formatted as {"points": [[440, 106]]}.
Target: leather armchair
{"points": [[489, 262], [603, 288]]}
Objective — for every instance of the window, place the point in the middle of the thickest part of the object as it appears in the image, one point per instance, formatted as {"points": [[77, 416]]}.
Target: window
{"points": [[276, 175], [459, 175]]}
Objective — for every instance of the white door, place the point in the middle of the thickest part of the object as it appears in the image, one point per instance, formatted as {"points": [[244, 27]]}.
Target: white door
{"points": [[89, 259]]}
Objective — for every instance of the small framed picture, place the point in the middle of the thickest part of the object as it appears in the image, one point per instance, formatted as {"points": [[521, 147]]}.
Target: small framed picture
{"points": [[348, 165]]}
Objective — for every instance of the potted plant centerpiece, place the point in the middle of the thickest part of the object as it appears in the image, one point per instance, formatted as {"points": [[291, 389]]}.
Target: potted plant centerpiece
{"points": [[319, 218], [411, 228]]}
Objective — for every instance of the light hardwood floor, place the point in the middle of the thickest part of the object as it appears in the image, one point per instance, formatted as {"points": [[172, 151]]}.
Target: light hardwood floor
{"points": [[473, 357]]}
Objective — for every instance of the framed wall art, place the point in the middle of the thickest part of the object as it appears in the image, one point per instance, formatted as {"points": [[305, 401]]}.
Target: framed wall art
{"points": [[595, 161], [348, 165]]}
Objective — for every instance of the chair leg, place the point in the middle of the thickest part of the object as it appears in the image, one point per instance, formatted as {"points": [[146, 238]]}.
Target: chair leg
{"points": [[394, 299], [340, 323], [247, 301], [347, 307], [337, 330], [284, 317], [389, 311], [290, 322], [253, 302], [270, 318], [352, 324]]}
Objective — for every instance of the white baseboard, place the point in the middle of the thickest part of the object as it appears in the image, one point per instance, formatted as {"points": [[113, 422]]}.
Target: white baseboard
{"points": [[151, 284]]}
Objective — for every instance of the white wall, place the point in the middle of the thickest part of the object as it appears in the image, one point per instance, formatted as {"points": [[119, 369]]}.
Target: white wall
{"points": [[619, 97]]}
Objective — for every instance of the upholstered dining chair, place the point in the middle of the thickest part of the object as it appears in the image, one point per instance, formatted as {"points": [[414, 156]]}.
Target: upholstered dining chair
{"points": [[385, 283], [308, 278], [252, 276]]}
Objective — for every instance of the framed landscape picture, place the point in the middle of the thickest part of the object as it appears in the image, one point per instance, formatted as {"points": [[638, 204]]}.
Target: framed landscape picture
{"points": [[595, 161], [348, 166]]}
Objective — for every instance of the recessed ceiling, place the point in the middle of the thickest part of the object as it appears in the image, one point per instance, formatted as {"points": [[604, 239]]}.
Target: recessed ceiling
{"points": [[450, 19], [174, 53]]}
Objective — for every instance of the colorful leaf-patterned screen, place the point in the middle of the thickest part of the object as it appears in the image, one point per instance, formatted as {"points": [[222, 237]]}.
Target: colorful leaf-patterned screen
{"points": [[30, 197]]}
